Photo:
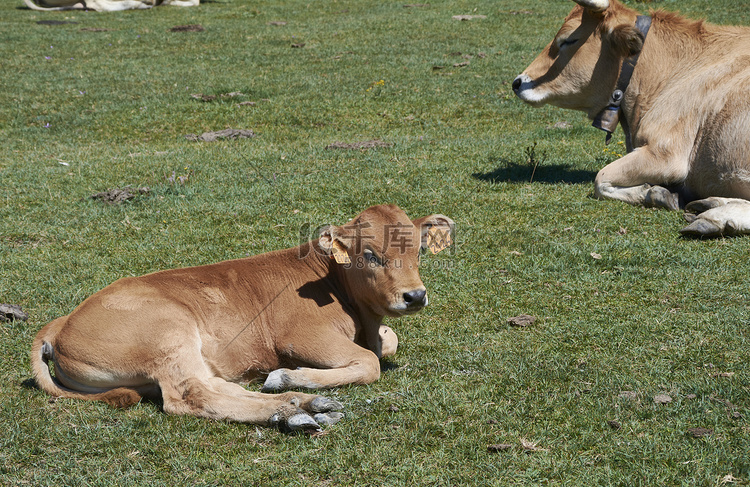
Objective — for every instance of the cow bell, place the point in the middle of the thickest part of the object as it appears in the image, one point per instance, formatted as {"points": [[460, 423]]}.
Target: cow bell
{"points": [[608, 118]]}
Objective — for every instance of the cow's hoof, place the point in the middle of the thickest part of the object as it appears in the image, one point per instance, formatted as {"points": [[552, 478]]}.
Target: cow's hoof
{"points": [[699, 206], [298, 422], [276, 381], [702, 228], [302, 422], [328, 418], [659, 197], [323, 405]]}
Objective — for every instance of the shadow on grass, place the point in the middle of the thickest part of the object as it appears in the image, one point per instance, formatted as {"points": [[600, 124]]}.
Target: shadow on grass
{"points": [[386, 365], [513, 172]]}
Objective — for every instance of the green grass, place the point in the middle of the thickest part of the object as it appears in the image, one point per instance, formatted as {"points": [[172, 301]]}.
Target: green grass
{"points": [[656, 314]]}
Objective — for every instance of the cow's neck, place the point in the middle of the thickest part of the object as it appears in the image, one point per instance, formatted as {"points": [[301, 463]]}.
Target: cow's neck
{"points": [[333, 276], [666, 52]]}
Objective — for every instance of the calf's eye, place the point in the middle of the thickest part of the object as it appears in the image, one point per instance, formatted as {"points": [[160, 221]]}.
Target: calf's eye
{"points": [[371, 258]]}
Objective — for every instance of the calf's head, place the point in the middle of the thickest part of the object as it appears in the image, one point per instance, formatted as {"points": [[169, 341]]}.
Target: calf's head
{"points": [[579, 68], [377, 254]]}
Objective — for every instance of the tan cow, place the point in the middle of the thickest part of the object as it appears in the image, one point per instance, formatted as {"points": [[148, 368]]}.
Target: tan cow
{"points": [[297, 316], [685, 111], [105, 5]]}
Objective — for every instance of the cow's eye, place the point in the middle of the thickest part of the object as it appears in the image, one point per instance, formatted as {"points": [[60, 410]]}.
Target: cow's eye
{"points": [[371, 258], [567, 42]]}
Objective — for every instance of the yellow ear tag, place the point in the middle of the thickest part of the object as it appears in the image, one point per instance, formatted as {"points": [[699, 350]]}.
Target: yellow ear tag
{"points": [[438, 240], [339, 253]]}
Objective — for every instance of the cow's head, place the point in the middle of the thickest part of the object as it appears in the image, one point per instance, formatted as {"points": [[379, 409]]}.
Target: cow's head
{"points": [[377, 254], [579, 68]]}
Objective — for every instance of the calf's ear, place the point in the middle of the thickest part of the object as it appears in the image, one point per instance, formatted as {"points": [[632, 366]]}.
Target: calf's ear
{"points": [[330, 237], [331, 243], [435, 231], [625, 40]]}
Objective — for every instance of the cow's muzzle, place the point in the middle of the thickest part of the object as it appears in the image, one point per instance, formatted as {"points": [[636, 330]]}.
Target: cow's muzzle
{"points": [[525, 89], [415, 299]]}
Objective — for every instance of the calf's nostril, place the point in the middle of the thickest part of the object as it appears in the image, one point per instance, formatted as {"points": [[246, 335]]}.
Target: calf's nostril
{"points": [[516, 83], [415, 297]]}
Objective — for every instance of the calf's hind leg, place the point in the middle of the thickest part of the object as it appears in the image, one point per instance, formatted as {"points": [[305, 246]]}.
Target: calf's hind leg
{"points": [[215, 398]]}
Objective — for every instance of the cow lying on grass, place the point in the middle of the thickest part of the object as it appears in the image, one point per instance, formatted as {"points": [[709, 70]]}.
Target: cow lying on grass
{"points": [[105, 5], [189, 336], [681, 90]]}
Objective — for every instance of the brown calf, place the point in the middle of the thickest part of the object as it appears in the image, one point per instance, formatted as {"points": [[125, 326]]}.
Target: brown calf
{"points": [[307, 317]]}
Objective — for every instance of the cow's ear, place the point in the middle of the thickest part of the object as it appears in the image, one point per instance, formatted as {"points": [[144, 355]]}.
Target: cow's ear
{"points": [[626, 40], [435, 231], [331, 243], [330, 237]]}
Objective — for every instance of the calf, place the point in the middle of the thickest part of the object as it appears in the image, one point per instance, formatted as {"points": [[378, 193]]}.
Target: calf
{"points": [[307, 317], [681, 90]]}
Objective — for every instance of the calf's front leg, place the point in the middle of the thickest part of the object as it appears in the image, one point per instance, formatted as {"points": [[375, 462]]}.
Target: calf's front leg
{"points": [[333, 361]]}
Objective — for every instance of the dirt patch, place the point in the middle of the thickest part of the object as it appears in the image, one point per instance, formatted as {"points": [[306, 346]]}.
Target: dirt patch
{"points": [[469, 17], [12, 312], [115, 196], [55, 22], [662, 399], [96, 29], [368, 144], [187, 28], [700, 432], [202, 97], [522, 320], [499, 447], [221, 134]]}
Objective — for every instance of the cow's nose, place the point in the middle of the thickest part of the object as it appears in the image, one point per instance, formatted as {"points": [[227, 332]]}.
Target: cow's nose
{"points": [[517, 84], [415, 298]]}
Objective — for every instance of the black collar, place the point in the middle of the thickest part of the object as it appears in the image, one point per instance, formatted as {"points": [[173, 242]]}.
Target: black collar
{"points": [[608, 118]]}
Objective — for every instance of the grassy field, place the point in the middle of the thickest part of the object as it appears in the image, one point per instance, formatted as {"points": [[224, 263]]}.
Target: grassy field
{"points": [[627, 311]]}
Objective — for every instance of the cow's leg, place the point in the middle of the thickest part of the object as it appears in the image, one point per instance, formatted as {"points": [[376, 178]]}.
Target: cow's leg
{"points": [[716, 217], [635, 179], [388, 341], [189, 387], [337, 361]]}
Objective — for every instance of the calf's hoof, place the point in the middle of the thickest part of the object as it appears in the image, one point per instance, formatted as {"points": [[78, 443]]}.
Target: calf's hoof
{"points": [[300, 422], [278, 380]]}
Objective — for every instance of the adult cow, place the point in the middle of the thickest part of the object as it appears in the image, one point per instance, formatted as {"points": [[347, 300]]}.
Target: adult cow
{"points": [[681, 89], [105, 5], [297, 316]]}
